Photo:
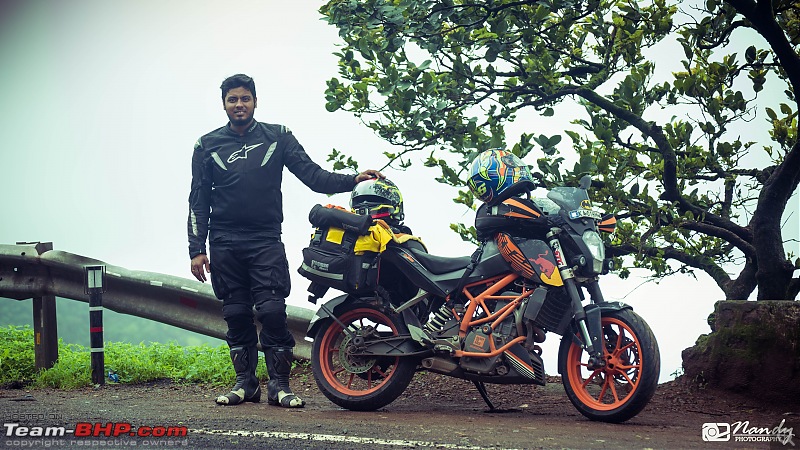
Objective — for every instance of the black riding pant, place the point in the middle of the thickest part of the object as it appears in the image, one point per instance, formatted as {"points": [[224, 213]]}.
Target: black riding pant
{"points": [[250, 271]]}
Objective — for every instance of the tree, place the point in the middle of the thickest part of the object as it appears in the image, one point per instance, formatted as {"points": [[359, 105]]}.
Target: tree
{"points": [[446, 77]]}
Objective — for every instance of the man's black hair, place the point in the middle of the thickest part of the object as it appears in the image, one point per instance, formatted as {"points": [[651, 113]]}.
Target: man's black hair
{"points": [[238, 80]]}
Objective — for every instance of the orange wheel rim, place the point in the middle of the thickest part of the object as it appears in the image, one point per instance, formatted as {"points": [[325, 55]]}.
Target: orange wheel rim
{"points": [[610, 387], [355, 376]]}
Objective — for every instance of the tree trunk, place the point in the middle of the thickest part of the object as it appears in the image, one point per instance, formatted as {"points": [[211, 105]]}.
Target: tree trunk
{"points": [[744, 284], [774, 269]]}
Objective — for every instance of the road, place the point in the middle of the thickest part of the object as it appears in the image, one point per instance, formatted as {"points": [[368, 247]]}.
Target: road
{"points": [[528, 417]]}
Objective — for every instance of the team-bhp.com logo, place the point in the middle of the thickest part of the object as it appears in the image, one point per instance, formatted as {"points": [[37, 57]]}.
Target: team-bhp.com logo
{"points": [[742, 431], [97, 429]]}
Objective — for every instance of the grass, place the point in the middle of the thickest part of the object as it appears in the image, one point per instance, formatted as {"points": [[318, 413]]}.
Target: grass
{"points": [[132, 363]]}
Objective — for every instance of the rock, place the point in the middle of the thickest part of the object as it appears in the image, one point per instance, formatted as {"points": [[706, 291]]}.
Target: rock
{"points": [[753, 349]]}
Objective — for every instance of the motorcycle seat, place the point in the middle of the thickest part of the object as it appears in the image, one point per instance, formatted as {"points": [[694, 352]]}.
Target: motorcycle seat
{"points": [[439, 265]]}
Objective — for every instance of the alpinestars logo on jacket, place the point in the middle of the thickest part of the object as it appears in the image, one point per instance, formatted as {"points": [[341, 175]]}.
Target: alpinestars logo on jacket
{"points": [[242, 152]]}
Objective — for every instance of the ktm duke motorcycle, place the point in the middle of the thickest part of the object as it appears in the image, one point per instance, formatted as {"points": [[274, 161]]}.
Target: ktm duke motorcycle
{"points": [[480, 318]]}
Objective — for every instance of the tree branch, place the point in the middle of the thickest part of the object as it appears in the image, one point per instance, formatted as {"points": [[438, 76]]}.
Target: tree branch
{"points": [[762, 17], [670, 179], [705, 264], [722, 233]]}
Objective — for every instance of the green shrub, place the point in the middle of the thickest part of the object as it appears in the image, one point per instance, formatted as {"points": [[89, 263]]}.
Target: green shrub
{"points": [[133, 363], [17, 360], [73, 368]]}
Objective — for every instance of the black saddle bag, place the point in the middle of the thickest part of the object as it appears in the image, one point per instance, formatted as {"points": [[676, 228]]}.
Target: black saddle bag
{"points": [[329, 259]]}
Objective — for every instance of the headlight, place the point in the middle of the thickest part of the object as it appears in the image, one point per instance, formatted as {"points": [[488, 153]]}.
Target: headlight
{"points": [[596, 248]]}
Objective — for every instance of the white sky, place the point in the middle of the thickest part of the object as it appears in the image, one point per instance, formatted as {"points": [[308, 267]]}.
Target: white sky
{"points": [[103, 101]]}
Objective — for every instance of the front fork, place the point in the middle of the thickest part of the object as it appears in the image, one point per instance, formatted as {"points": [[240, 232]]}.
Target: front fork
{"points": [[586, 318]]}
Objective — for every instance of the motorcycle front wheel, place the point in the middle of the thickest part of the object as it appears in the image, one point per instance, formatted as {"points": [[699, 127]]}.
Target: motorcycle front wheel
{"points": [[627, 382], [359, 383]]}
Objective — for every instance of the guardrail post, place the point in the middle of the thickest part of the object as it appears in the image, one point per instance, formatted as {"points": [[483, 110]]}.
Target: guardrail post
{"points": [[45, 325], [95, 288]]}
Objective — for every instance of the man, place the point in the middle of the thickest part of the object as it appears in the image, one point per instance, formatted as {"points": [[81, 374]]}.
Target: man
{"points": [[236, 202]]}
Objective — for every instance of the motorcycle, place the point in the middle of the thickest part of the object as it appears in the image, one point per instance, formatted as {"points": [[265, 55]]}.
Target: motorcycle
{"points": [[481, 317]]}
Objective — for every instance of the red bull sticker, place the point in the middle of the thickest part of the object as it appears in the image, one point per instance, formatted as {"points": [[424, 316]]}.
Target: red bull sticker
{"points": [[547, 270]]}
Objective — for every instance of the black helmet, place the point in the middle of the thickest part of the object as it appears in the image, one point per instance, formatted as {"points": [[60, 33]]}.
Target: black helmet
{"points": [[379, 198]]}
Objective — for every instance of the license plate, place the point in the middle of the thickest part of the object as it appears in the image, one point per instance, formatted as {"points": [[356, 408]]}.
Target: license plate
{"points": [[581, 213]]}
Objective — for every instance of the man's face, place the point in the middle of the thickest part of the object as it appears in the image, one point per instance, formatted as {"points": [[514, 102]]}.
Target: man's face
{"points": [[239, 105]]}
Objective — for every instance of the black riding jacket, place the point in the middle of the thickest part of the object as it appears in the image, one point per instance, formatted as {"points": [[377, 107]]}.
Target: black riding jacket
{"points": [[236, 181]]}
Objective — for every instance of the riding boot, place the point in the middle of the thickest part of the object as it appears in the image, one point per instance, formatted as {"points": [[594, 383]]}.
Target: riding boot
{"points": [[279, 365], [247, 387]]}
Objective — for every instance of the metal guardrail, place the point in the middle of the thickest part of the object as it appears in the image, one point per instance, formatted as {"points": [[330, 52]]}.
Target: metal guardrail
{"points": [[184, 303]]}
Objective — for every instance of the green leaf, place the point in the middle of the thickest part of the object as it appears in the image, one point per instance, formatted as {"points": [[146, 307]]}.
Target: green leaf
{"points": [[402, 85], [750, 54], [554, 140], [771, 114]]}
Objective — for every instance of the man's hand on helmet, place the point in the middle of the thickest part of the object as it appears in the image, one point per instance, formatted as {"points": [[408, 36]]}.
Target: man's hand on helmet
{"points": [[368, 175]]}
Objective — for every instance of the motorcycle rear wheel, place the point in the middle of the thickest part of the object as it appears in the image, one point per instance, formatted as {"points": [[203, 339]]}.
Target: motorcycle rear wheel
{"points": [[621, 389], [355, 382]]}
